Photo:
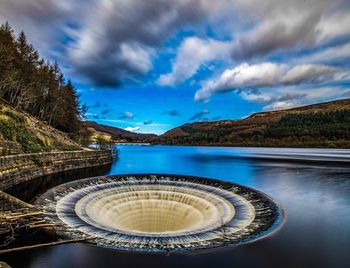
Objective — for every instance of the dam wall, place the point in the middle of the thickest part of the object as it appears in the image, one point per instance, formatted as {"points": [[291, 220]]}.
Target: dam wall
{"points": [[16, 169]]}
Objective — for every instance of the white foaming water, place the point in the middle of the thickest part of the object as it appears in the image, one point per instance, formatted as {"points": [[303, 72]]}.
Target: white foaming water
{"points": [[159, 212]]}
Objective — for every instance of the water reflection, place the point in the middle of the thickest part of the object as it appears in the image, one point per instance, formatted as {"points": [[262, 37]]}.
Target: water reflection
{"points": [[316, 199]]}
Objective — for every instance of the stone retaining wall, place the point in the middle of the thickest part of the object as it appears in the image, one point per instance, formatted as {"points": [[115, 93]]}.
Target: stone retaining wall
{"points": [[15, 169], [9, 148]]}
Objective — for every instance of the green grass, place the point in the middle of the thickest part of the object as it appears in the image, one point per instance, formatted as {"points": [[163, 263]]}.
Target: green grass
{"points": [[13, 129]]}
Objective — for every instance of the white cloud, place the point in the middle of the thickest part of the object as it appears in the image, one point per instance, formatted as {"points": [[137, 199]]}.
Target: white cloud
{"points": [[336, 53], [266, 74], [277, 25], [136, 57], [192, 53], [132, 129], [334, 25], [309, 73], [246, 75], [109, 41], [284, 24], [280, 31], [280, 105], [291, 96], [105, 41], [118, 37]]}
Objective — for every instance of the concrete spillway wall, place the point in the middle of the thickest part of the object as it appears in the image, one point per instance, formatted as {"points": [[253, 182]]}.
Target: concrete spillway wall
{"points": [[15, 169]]}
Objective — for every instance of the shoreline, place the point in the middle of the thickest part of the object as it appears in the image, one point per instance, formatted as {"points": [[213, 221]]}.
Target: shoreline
{"points": [[16, 215], [254, 146]]}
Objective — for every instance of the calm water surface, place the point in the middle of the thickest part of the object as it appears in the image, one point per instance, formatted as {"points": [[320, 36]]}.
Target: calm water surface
{"points": [[316, 199]]}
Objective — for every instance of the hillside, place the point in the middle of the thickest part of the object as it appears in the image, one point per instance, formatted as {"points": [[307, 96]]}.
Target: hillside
{"points": [[318, 125], [120, 135], [38, 88], [22, 133]]}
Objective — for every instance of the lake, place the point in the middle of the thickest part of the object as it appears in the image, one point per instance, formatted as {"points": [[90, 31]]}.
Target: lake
{"points": [[315, 197]]}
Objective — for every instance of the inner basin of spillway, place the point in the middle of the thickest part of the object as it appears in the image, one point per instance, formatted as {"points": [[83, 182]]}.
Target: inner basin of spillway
{"points": [[154, 209]]}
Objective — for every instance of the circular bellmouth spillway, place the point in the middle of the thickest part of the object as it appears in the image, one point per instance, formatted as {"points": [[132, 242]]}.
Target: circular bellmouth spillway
{"points": [[160, 212]]}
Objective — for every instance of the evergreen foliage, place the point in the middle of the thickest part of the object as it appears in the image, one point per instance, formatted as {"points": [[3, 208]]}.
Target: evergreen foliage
{"points": [[330, 125], [37, 87]]}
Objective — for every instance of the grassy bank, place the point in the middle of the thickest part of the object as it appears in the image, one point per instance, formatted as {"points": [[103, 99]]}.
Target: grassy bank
{"points": [[28, 134]]}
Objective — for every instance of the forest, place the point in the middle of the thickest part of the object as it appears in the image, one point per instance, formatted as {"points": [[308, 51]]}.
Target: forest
{"points": [[38, 87], [294, 129], [330, 126]]}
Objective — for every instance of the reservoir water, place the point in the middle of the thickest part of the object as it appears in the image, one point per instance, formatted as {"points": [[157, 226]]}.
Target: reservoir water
{"points": [[312, 185]]}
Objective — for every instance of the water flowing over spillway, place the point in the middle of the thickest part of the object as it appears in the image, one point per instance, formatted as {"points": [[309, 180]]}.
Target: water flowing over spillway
{"points": [[159, 212]]}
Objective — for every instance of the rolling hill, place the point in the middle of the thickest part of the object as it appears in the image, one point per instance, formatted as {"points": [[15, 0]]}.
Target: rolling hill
{"points": [[319, 125]]}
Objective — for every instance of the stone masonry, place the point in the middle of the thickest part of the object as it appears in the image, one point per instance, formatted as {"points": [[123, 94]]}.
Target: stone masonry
{"points": [[15, 169]]}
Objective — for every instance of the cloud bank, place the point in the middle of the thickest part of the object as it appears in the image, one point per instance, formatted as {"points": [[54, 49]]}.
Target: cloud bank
{"points": [[274, 52], [266, 74], [105, 41]]}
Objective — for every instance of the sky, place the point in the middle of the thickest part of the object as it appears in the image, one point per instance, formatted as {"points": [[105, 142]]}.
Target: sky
{"points": [[149, 66]]}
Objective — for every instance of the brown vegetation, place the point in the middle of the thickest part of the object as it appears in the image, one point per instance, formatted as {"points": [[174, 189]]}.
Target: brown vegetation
{"points": [[319, 125]]}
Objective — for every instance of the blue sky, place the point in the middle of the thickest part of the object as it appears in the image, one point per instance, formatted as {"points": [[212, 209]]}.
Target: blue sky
{"points": [[149, 66]]}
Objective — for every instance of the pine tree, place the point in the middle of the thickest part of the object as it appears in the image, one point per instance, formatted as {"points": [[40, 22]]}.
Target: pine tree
{"points": [[30, 84]]}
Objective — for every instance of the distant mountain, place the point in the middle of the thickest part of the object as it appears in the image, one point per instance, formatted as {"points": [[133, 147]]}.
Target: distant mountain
{"points": [[319, 125], [121, 135]]}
